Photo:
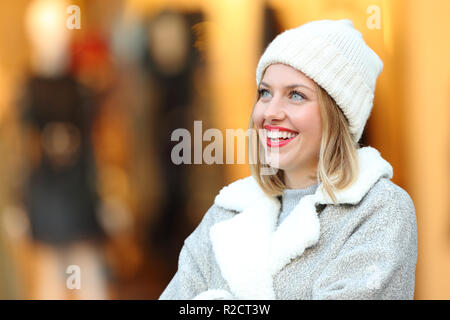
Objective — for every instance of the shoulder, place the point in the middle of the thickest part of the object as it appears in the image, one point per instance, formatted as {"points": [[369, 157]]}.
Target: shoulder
{"points": [[239, 194], [231, 199], [386, 192], [384, 220], [200, 235], [389, 206]]}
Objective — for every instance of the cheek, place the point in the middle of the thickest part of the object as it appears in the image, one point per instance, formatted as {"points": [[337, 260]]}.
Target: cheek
{"points": [[258, 115], [308, 121]]}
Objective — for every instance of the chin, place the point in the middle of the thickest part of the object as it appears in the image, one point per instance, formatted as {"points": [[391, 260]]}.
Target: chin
{"points": [[281, 164]]}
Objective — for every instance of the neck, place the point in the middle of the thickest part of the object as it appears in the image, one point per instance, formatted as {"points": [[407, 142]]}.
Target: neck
{"points": [[300, 179]]}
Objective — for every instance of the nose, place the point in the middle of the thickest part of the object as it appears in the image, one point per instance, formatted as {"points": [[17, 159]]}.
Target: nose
{"points": [[274, 111]]}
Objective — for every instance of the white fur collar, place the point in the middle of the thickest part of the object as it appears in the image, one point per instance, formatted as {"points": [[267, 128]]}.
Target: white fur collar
{"points": [[250, 249]]}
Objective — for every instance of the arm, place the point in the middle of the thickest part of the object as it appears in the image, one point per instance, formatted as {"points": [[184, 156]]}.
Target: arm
{"points": [[378, 260], [189, 279], [192, 277]]}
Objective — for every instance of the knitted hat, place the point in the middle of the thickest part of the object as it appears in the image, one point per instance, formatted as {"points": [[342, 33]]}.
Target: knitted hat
{"points": [[334, 55]]}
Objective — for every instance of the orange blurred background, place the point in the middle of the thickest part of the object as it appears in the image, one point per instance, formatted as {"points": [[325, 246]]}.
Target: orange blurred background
{"points": [[155, 65]]}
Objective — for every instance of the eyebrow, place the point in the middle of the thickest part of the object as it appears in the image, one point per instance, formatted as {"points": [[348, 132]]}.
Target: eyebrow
{"points": [[289, 86]]}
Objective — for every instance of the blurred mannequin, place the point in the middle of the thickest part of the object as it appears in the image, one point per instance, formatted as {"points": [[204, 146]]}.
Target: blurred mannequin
{"points": [[171, 62], [60, 194]]}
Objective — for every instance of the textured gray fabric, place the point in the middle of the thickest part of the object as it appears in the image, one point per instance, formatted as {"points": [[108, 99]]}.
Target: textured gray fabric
{"points": [[365, 251], [291, 197]]}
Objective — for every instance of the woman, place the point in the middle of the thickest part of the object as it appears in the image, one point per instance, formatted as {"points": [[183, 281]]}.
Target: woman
{"points": [[327, 223]]}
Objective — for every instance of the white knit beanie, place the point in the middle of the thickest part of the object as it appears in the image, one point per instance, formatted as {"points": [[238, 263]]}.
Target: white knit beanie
{"points": [[334, 55]]}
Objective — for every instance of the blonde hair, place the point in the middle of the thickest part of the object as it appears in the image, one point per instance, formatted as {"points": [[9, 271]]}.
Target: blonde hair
{"points": [[338, 163]]}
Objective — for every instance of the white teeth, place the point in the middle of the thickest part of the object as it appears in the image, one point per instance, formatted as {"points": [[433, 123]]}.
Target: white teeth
{"points": [[280, 134]]}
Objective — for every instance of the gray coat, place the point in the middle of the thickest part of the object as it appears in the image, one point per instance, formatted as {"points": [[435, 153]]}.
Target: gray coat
{"points": [[364, 247]]}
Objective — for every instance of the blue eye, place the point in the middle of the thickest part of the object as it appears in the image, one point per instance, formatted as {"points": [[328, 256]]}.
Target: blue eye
{"points": [[262, 93], [297, 96]]}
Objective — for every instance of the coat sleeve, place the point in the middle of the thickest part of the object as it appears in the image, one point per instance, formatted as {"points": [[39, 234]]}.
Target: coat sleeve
{"points": [[191, 281], [378, 260]]}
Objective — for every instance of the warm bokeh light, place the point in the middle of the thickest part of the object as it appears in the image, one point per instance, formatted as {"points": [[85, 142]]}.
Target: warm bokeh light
{"points": [[49, 37]]}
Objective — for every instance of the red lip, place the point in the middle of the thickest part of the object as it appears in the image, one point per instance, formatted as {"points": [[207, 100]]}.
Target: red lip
{"points": [[269, 127], [279, 143]]}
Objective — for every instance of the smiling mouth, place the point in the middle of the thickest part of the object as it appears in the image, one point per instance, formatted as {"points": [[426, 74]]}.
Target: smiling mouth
{"points": [[276, 139]]}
